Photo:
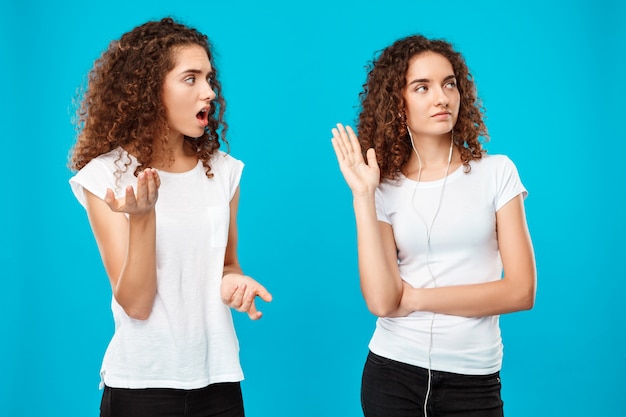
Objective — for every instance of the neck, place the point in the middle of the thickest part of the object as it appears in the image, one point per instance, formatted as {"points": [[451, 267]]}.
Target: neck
{"points": [[431, 158], [179, 157], [433, 152]]}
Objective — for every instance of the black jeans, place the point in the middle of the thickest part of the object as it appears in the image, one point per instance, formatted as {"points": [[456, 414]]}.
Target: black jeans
{"points": [[395, 389], [215, 400]]}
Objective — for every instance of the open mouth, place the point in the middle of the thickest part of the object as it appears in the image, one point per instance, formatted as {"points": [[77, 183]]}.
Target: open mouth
{"points": [[203, 117]]}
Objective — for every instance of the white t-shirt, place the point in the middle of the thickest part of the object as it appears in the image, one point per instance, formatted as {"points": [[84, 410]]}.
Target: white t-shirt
{"points": [[189, 339], [463, 250]]}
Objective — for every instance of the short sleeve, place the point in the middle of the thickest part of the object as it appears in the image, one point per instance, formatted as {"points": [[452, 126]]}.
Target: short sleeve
{"points": [[93, 177], [509, 184], [232, 169], [99, 174], [235, 175], [381, 214]]}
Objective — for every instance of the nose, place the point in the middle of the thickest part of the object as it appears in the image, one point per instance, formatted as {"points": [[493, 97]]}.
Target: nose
{"points": [[207, 92], [442, 98]]}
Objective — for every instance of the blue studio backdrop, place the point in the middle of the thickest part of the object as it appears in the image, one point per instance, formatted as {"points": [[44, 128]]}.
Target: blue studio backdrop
{"points": [[550, 74]]}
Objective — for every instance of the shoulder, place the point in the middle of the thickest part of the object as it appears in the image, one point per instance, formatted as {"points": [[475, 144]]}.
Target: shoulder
{"points": [[116, 160], [114, 169], [227, 170], [223, 160], [500, 171], [391, 189], [493, 164], [489, 160]]}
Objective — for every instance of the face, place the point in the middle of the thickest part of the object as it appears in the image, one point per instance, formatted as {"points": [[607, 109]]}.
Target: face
{"points": [[431, 96], [187, 92]]}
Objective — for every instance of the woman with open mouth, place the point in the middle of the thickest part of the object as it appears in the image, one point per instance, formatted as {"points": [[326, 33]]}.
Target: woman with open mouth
{"points": [[161, 199]]}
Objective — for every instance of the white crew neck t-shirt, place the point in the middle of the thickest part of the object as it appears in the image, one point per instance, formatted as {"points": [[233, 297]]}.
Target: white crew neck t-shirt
{"points": [[463, 250], [189, 339]]}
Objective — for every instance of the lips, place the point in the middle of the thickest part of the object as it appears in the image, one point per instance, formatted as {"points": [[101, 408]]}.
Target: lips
{"points": [[442, 114], [203, 116]]}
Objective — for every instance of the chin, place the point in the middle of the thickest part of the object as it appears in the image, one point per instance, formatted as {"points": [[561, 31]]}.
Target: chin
{"points": [[195, 135]]}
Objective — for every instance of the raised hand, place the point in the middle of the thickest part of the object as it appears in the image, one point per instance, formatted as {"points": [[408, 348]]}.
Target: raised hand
{"points": [[239, 291], [143, 201], [361, 177]]}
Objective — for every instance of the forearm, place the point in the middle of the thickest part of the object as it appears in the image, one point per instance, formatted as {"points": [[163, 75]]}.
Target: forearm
{"points": [[380, 284], [380, 279], [475, 300], [232, 268], [137, 285]]}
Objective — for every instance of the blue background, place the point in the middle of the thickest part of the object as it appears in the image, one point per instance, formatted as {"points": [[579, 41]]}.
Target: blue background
{"points": [[551, 75]]}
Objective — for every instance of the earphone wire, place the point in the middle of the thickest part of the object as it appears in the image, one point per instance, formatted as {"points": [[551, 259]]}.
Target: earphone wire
{"points": [[428, 247]]}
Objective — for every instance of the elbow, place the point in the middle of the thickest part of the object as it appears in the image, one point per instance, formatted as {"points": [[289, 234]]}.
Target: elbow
{"points": [[138, 313], [526, 300], [526, 304], [381, 309], [378, 312], [383, 303], [529, 302], [136, 309]]}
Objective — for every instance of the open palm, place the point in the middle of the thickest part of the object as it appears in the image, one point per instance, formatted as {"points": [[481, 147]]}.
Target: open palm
{"points": [[143, 201], [361, 177]]}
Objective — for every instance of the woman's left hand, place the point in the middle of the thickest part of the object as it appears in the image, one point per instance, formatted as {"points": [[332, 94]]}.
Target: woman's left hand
{"points": [[239, 291]]}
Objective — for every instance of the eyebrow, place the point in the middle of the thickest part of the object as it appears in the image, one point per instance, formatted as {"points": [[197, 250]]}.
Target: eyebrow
{"points": [[195, 71], [426, 80]]}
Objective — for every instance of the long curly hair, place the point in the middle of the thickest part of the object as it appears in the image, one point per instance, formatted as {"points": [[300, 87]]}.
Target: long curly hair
{"points": [[381, 123], [122, 104]]}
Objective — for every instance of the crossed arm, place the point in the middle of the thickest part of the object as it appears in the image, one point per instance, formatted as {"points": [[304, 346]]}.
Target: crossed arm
{"points": [[384, 291]]}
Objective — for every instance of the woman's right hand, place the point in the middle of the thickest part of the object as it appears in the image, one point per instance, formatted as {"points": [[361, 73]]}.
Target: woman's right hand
{"points": [[143, 201], [362, 178]]}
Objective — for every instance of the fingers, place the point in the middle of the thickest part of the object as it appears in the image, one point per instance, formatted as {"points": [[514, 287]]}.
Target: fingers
{"points": [[154, 182], [109, 198], [371, 158], [264, 294], [253, 313], [236, 298], [147, 185], [343, 141], [338, 147], [354, 141], [242, 299], [346, 144], [129, 200]]}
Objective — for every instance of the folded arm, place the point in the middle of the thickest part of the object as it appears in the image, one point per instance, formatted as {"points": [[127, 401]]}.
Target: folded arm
{"points": [[514, 292]]}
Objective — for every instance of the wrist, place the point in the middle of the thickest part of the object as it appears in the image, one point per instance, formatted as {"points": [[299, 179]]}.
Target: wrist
{"points": [[410, 298], [366, 196], [142, 217], [144, 221], [230, 272]]}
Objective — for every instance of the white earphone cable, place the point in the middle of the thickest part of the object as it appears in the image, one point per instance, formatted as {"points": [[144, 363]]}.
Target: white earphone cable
{"points": [[428, 248]]}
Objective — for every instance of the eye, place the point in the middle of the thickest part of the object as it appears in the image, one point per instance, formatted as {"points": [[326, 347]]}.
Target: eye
{"points": [[190, 80], [451, 85], [421, 89]]}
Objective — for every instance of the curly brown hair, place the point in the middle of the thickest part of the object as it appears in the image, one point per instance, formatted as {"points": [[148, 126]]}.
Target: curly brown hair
{"points": [[381, 124], [122, 105]]}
